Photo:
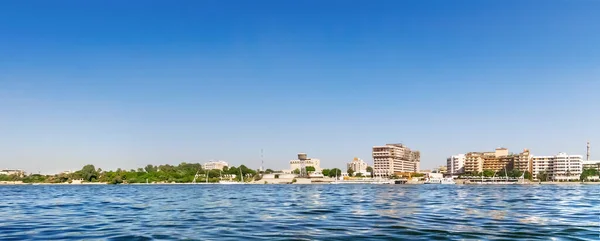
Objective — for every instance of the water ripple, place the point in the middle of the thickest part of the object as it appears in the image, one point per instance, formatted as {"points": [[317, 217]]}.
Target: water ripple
{"points": [[300, 212]]}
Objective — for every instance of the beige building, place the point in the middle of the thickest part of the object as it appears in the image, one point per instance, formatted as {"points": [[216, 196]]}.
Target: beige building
{"points": [[495, 161], [395, 159], [296, 164], [212, 165], [524, 161], [473, 162], [358, 165]]}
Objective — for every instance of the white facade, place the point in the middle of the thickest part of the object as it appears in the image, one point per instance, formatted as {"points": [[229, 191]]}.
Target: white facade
{"points": [[212, 165], [561, 167], [567, 167], [455, 164], [591, 164], [543, 164], [358, 166]]}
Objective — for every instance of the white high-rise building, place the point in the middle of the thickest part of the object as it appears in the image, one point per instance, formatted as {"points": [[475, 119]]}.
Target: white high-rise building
{"points": [[561, 167], [567, 167], [455, 164], [359, 166], [543, 164]]}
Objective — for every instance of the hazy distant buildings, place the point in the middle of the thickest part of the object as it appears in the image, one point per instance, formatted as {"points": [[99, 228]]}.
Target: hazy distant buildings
{"points": [[358, 166], [455, 164], [212, 165], [10, 172], [395, 159]]}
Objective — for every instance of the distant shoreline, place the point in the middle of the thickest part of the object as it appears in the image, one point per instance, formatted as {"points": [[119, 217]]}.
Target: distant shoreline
{"points": [[259, 183]]}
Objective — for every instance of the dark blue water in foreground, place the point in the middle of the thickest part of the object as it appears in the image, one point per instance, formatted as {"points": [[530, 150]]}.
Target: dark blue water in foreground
{"points": [[305, 212]]}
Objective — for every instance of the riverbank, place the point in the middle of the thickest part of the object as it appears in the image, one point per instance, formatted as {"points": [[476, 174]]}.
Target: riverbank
{"points": [[301, 182]]}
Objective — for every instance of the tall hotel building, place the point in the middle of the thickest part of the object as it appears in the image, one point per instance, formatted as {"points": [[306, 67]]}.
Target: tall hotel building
{"points": [[394, 159]]}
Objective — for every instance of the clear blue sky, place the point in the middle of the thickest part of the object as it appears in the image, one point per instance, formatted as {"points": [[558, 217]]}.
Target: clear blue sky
{"points": [[129, 83]]}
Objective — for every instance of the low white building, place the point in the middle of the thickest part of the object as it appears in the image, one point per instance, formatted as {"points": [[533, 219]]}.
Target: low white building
{"points": [[591, 164], [212, 165], [455, 165]]}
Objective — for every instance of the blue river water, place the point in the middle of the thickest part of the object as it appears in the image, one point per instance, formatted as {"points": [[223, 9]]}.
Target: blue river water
{"points": [[300, 212]]}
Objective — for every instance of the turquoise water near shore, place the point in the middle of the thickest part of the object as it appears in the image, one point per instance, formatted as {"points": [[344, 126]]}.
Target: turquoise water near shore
{"points": [[304, 212]]}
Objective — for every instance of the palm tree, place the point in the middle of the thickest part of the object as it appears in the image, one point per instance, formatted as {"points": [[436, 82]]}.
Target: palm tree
{"points": [[542, 176], [370, 170]]}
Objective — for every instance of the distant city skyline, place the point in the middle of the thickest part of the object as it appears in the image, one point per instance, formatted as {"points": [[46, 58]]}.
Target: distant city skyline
{"points": [[123, 84]]}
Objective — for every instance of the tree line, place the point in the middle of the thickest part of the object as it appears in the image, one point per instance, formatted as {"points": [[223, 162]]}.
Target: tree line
{"points": [[182, 173], [542, 175]]}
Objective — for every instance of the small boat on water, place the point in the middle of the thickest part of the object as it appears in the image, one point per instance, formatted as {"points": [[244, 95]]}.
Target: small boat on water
{"points": [[234, 182], [230, 182], [440, 181]]}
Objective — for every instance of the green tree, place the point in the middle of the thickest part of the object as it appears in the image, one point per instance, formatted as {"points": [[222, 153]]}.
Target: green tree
{"points": [[150, 168], [370, 170], [334, 171], [310, 169], [358, 174], [542, 176], [416, 174], [296, 171], [269, 171], [325, 172], [588, 173], [350, 172], [89, 173], [528, 175], [488, 173], [116, 180], [515, 173], [233, 170]]}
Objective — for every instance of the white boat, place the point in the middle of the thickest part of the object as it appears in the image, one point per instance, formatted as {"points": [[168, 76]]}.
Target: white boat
{"points": [[234, 182], [440, 181], [229, 182], [382, 181]]}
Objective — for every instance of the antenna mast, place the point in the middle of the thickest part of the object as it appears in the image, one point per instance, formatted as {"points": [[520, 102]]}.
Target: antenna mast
{"points": [[588, 151]]}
